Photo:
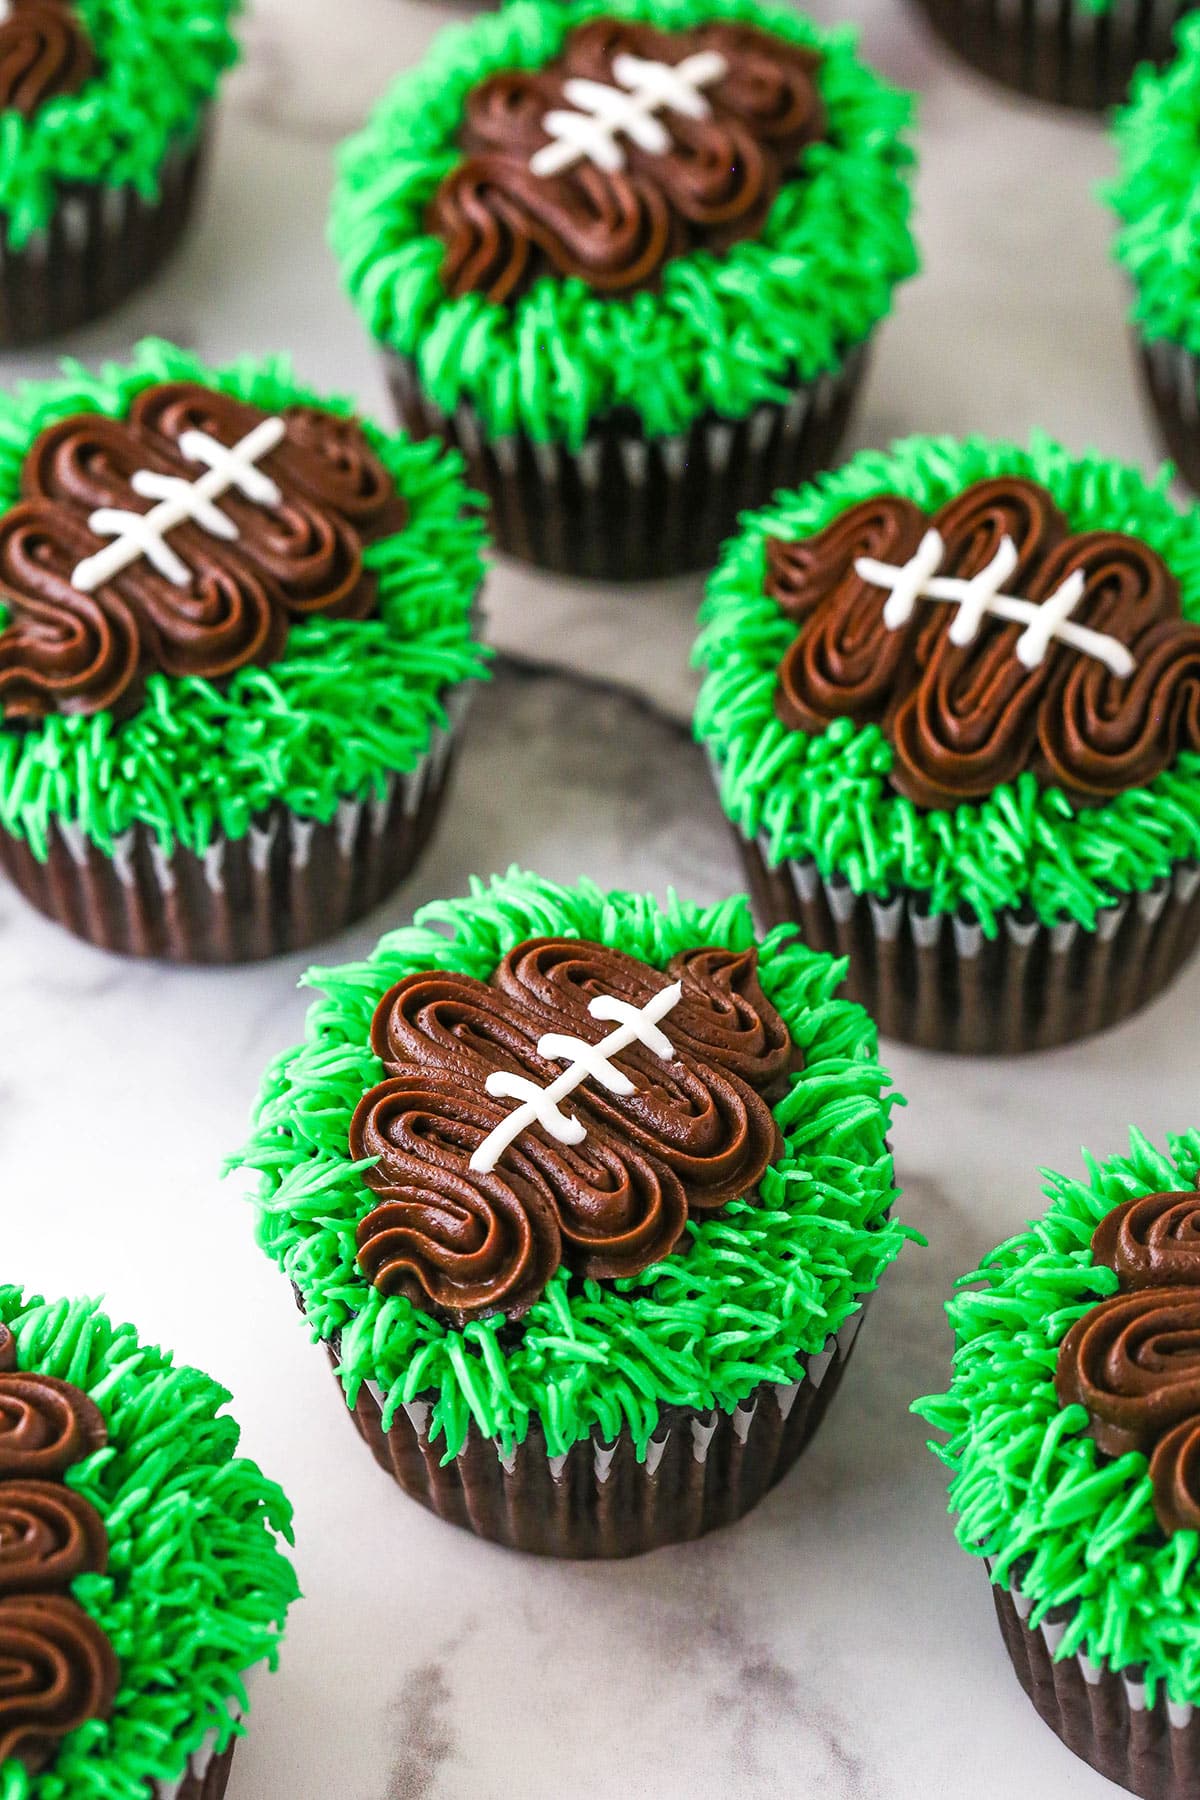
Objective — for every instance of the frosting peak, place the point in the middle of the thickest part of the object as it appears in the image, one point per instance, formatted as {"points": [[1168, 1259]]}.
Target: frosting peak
{"points": [[666, 1128]]}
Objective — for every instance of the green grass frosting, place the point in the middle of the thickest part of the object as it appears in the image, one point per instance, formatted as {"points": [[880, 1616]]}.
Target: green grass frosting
{"points": [[827, 796], [750, 1293], [157, 65], [348, 703], [1157, 194], [197, 1588], [1028, 1484], [723, 333]]}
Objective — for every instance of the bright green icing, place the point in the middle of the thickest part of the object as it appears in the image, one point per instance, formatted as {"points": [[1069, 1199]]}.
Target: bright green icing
{"points": [[827, 796], [157, 64], [725, 332], [348, 703], [1157, 194], [755, 1289], [1026, 1479], [196, 1590]]}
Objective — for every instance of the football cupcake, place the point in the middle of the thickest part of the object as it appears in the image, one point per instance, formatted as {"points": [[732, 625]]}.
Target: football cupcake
{"points": [[1158, 140], [235, 633], [585, 1199], [1078, 53], [106, 119], [141, 1575], [628, 255], [953, 706], [1072, 1428]]}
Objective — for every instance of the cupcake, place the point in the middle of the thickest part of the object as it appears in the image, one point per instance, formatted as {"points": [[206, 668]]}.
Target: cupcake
{"points": [[235, 638], [141, 1578], [627, 255], [1158, 141], [1073, 1440], [585, 1198], [106, 120], [952, 702], [1078, 53]]}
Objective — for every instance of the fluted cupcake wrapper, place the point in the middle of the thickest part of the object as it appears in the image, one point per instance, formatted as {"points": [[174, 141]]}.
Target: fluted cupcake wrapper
{"points": [[1101, 1713], [206, 1778], [1058, 50], [938, 981], [702, 1469], [287, 883], [627, 507], [1172, 379], [100, 244]]}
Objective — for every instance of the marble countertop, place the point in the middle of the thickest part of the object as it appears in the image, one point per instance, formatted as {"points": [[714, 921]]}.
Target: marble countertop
{"points": [[836, 1642]]}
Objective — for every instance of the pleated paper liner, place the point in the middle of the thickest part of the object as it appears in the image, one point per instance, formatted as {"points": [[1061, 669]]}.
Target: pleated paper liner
{"points": [[937, 981], [1057, 50], [702, 1469], [100, 244], [627, 507], [1172, 380], [1101, 1714], [206, 1778], [287, 883]]}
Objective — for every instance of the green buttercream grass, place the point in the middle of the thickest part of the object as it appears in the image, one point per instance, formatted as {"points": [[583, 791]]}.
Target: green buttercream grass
{"points": [[348, 703], [754, 1290], [1029, 1486], [724, 332], [827, 796], [158, 63], [1157, 194], [197, 1588]]}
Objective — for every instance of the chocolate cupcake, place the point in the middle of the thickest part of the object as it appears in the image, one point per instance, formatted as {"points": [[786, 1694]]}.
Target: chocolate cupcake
{"points": [[235, 638], [141, 1576], [585, 1199], [106, 119], [1079, 53], [953, 707], [1073, 1441], [1158, 140], [627, 255]]}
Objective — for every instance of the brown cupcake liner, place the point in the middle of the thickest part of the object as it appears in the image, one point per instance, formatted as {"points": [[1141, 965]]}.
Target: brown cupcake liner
{"points": [[100, 244], [702, 1469], [206, 1778], [1172, 380], [937, 981], [1056, 49], [1102, 1714], [287, 883], [627, 507]]}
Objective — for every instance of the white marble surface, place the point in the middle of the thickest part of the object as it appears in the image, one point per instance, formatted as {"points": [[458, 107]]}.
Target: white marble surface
{"points": [[835, 1643]]}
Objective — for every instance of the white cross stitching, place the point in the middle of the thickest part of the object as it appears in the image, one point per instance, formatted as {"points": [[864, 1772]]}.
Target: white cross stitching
{"points": [[144, 534], [918, 579], [590, 133], [638, 1025]]}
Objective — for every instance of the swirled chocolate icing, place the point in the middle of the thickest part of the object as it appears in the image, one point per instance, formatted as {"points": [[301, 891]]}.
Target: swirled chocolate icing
{"points": [[57, 1668], [45, 50], [962, 719], [68, 651], [696, 1132], [503, 225], [1133, 1360]]}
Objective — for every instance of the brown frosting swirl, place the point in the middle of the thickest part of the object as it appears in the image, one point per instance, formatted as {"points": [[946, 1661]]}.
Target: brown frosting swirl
{"points": [[49, 1534], [57, 1671], [1152, 1241], [696, 1132], [964, 719], [503, 225], [64, 650], [45, 51], [57, 1668]]}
